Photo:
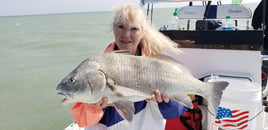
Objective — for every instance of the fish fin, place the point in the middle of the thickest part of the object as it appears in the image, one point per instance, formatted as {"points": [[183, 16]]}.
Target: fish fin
{"points": [[171, 60], [184, 100], [129, 93], [214, 94], [111, 83], [125, 109]]}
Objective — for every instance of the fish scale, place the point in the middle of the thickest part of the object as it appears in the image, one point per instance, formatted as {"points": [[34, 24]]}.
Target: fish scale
{"points": [[125, 79], [155, 73]]}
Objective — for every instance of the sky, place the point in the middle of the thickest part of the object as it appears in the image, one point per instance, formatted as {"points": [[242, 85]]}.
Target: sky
{"points": [[33, 7], [28, 7]]}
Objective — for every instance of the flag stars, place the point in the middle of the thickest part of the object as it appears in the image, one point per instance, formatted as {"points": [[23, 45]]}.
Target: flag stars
{"points": [[223, 112]]}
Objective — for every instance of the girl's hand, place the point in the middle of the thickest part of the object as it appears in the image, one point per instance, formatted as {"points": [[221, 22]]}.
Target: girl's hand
{"points": [[158, 97]]}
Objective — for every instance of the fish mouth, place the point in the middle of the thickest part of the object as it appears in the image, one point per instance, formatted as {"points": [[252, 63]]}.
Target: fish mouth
{"points": [[66, 97]]}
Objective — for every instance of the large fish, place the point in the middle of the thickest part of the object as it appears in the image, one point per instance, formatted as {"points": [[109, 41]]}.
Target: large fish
{"points": [[125, 79]]}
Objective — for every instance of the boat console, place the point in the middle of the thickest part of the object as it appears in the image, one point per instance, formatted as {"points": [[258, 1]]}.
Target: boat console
{"points": [[211, 39], [235, 54]]}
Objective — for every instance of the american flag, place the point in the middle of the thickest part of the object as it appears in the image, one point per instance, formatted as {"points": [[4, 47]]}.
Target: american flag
{"points": [[233, 119]]}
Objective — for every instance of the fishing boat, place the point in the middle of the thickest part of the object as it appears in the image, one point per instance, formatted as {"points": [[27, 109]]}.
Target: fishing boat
{"points": [[214, 54]]}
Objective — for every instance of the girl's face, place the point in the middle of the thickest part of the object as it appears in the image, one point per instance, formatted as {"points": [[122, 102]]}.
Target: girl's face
{"points": [[127, 36]]}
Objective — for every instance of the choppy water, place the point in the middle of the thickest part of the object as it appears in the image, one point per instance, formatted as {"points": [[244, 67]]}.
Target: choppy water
{"points": [[36, 52]]}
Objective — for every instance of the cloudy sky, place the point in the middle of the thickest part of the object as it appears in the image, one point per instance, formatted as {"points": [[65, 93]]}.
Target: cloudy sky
{"points": [[28, 7]]}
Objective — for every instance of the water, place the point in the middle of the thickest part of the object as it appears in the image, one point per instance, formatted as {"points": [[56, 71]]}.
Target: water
{"points": [[36, 52]]}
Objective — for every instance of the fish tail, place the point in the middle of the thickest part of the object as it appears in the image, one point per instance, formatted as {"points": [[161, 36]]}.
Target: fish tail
{"points": [[215, 92]]}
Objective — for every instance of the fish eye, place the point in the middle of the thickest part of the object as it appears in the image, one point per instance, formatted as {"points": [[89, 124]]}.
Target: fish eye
{"points": [[72, 80]]}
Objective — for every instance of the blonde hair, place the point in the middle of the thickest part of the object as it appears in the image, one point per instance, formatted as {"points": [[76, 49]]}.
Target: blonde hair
{"points": [[153, 41]]}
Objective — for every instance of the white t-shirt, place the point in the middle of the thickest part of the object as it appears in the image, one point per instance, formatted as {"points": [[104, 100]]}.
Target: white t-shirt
{"points": [[149, 118]]}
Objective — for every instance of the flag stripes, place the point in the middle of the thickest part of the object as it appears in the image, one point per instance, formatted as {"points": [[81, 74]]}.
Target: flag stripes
{"points": [[235, 119]]}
